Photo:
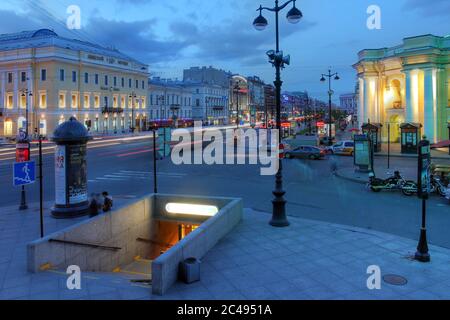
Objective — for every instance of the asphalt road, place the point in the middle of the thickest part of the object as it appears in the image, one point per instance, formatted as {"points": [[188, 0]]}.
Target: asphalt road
{"points": [[124, 168]]}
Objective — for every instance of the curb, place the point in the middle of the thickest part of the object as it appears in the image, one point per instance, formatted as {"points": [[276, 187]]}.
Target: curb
{"points": [[412, 156], [337, 174]]}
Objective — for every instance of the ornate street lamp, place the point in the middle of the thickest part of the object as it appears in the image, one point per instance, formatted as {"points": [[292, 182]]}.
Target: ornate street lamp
{"points": [[330, 93], [132, 96], [277, 59]]}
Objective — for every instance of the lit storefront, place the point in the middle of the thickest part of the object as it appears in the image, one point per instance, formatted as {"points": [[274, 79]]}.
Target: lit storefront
{"points": [[406, 84]]}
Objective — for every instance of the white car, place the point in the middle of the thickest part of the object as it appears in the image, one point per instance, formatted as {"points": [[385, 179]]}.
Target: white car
{"points": [[343, 147]]}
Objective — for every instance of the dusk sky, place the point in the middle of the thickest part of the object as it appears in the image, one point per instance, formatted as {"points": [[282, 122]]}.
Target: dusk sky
{"points": [[172, 35]]}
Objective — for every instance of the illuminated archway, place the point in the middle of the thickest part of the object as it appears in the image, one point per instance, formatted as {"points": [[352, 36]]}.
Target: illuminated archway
{"points": [[397, 102], [395, 121]]}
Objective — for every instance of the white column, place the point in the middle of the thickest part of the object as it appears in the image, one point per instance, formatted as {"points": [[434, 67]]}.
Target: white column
{"points": [[429, 112], [376, 103], [366, 109], [409, 97], [360, 113]]}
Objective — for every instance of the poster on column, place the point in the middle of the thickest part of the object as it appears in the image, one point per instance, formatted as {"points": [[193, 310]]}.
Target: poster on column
{"points": [[60, 175], [76, 183]]}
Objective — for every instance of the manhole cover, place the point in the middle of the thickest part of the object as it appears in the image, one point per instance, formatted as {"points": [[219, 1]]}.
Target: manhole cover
{"points": [[395, 280]]}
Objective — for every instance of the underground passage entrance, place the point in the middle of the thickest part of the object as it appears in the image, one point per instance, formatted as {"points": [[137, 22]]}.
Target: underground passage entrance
{"points": [[169, 234], [147, 239]]}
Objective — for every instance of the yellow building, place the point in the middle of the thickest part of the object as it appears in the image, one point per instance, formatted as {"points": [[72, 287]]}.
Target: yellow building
{"points": [[101, 87], [408, 83]]}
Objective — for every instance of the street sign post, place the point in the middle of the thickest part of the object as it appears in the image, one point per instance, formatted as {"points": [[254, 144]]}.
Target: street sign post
{"points": [[164, 138], [24, 173], [423, 191], [22, 155]]}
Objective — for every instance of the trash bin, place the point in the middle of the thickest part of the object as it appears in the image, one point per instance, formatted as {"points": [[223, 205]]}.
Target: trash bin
{"points": [[190, 270]]}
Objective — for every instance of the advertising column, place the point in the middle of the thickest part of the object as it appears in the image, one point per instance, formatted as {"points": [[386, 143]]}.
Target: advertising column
{"points": [[71, 194]]}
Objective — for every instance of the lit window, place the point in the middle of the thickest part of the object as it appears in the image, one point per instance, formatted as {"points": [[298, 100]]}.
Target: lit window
{"points": [[23, 101], [62, 100], [86, 101], [42, 100], [74, 101], [10, 101], [97, 101]]}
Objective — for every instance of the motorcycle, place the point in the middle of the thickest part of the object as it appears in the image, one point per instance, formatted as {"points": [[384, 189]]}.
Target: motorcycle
{"points": [[396, 182], [436, 186], [439, 186]]}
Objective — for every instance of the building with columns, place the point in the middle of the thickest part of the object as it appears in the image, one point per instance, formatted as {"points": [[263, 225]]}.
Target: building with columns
{"points": [[408, 83], [101, 87]]}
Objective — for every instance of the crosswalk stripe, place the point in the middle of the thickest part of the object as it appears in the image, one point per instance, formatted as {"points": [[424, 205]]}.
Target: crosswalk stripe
{"points": [[111, 179], [125, 175], [150, 173]]}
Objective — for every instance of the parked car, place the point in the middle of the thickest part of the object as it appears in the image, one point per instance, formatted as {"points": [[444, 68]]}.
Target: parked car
{"points": [[305, 152], [447, 195], [346, 147]]}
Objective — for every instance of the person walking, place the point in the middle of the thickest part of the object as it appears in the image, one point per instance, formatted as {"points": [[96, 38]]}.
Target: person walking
{"points": [[107, 202]]}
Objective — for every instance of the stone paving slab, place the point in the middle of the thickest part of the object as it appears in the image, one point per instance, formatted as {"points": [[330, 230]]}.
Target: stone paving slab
{"points": [[307, 260]]}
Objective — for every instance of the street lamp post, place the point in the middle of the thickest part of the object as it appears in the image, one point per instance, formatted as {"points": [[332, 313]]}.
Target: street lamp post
{"points": [[277, 59], [161, 101], [133, 101], [236, 91], [207, 100], [26, 94], [330, 93]]}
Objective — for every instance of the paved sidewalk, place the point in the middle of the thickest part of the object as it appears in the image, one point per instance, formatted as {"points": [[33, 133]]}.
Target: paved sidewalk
{"points": [[395, 151], [308, 260]]}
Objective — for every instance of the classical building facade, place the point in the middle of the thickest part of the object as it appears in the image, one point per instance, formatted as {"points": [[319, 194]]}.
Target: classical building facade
{"points": [[256, 98], [269, 100], [55, 78], [408, 83], [349, 103], [168, 99], [207, 75], [209, 102]]}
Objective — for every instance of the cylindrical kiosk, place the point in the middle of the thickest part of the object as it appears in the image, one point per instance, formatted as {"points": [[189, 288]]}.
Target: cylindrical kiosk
{"points": [[71, 196]]}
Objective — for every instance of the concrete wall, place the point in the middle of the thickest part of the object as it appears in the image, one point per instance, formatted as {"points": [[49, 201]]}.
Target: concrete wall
{"points": [[119, 228], [123, 226], [197, 243]]}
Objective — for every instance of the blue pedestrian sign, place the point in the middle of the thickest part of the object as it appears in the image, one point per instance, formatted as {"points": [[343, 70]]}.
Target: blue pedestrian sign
{"points": [[24, 173]]}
